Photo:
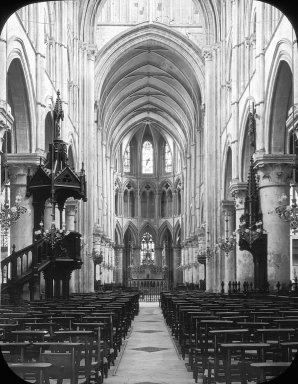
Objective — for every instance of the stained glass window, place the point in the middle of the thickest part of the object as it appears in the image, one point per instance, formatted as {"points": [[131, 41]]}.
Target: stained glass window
{"points": [[126, 161], [147, 157], [147, 249], [168, 158]]}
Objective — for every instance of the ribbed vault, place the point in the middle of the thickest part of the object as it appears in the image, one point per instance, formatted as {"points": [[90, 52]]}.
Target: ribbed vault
{"points": [[150, 80]]}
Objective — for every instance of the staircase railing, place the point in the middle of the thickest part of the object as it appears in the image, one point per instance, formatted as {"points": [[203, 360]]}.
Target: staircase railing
{"points": [[23, 261]]}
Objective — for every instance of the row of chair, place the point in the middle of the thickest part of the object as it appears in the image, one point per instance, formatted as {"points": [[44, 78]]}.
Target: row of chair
{"points": [[77, 339], [230, 338]]}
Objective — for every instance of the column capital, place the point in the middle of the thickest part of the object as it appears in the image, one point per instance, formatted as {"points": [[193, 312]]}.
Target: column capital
{"points": [[208, 53], [71, 207], [6, 118], [274, 169], [238, 191], [91, 51]]}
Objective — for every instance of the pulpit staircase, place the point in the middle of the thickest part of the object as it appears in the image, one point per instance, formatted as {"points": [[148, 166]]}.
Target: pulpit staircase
{"points": [[26, 265]]}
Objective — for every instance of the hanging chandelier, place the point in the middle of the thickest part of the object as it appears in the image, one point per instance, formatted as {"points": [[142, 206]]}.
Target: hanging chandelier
{"points": [[229, 243], [288, 213], [252, 233], [9, 215]]}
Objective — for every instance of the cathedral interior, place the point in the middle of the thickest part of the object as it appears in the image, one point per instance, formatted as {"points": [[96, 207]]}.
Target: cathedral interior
{"points": [[160, 138], [148, 147]]}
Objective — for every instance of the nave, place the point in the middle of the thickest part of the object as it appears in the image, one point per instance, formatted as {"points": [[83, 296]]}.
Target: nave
{"points": [[150, 355], [187, 337]]}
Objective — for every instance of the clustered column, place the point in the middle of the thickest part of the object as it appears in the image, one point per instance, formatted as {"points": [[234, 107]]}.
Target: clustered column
{"points": [[274, 173], [244, 268]]}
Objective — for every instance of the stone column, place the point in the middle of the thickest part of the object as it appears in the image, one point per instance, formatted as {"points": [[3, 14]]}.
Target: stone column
{"points": [[119, 263], [182, 263], [260, 75], [186, 253], [244, 268], [274, 173], [158, 255], [177, 278], [22, 231], [38, 131], [3, 64], [136, 255], [70, 214], [209, 157]]}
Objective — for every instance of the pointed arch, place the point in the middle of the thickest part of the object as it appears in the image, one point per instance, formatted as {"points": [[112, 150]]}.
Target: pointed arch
{"points": [[162, 229], [282, 55], [118, 184], [131, 183], [147, 227], [119, 232], [130, 227], [146, 183], [164, 182], [228, 174], [177, 233]]}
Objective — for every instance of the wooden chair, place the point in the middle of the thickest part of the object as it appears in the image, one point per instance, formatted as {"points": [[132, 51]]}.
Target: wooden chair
{"points": [[269, 370], [273, 337], [215, 362], [65, 360], [88, 367], [34, 373]]}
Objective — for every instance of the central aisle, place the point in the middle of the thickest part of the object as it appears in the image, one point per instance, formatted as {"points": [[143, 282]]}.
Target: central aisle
{"points": [[150, 356]]}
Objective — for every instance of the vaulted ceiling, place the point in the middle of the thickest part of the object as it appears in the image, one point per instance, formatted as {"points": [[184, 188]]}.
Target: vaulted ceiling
{"points": [[150, 83], [153, 80]]}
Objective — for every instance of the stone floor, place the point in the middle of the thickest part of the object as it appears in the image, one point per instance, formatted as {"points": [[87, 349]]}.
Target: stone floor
{"points": [[149, 356]]}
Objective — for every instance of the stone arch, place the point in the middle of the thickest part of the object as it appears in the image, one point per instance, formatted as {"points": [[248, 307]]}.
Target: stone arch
{"points": [[70, 157], [163, 183], [245, 148], [147, 182], [119, 232], [147, 227], [275, 139], [177, 234], [18, 99], [16, 51], [111, 54], [49, 131], [131, 182], [118, 184], [227, 174], [162, 229], [210, 13], [132, 229]]}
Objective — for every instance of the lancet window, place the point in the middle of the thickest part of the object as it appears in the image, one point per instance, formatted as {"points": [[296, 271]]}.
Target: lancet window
{"points": [[147, 249], [168, 158], [127, 159], [147, 202], [129, 201], [147, 157], [166, 201]]}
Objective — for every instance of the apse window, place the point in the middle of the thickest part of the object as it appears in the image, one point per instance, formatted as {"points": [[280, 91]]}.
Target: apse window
{"points": [[126, 161], [168, 158], [147, 249], [147, 157]]}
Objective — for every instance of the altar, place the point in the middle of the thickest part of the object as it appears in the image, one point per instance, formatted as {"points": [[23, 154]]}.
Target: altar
{"points": [[145, 275]]}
